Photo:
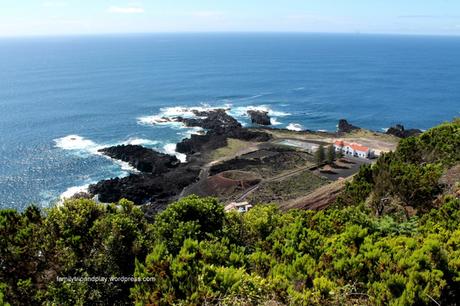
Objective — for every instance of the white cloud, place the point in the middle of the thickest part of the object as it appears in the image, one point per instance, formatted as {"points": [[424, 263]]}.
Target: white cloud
{"points": [[126, 10]]}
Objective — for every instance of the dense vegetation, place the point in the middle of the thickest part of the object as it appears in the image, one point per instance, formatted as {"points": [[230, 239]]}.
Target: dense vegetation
{"points": [[407, 180], [393, 237]]}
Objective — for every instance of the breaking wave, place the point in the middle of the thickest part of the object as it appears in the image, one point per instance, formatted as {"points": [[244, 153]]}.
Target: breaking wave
{"points": [[294, 127], [170, 149], [141, 142], [77, 143], [84, 147], [242, 111], [167, 114], [71, 191]]}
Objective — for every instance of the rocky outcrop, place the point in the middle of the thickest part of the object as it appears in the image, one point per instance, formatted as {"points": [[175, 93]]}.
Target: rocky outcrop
{"points": [[345, 127], [212, 140], [399, 131], [259, 117], [220, 126], [215, 120], [163, 177], [143, 159], [201, 143], [146, 188]]}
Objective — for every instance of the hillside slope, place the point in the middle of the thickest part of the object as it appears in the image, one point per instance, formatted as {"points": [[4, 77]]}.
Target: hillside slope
{"points": [[392, 238]]}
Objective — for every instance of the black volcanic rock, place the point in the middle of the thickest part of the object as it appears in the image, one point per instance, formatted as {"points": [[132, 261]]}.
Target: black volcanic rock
{"points": [[163, 177], [345, 127], [212, 140], [259, 117], [201, 143], [146, 188], [143, 159], [249, 135], [220, 126], [216, 120], [399, 131]]}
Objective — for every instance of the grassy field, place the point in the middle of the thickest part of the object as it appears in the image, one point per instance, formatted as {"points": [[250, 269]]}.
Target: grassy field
{"points": [[291, 187], [268, 163], [372, 135], [277, 134], [233, 148]]}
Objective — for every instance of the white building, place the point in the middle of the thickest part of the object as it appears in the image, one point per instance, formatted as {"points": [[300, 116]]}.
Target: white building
{"points": [[353, 149], [238, 206]]}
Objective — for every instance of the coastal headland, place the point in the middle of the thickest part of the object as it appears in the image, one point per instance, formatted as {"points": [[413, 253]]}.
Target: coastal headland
{"points": [[257, 164]]}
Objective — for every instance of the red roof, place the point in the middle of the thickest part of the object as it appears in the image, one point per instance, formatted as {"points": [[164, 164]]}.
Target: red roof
{"points": [[339, 143], [354, 146], [358, 147]]}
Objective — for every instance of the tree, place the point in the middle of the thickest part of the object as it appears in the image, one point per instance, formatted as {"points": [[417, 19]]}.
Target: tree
{"points": [[194, 253], [191, 217], [330, 154], [320, 154], [339, 154]]}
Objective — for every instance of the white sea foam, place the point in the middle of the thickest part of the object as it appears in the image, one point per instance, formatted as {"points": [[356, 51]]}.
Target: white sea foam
{"points": [[294, 127], [188, 112], [170, 149], [77, 143], [167, 115], [141, 142], [124, 166], [157, 120], [242, 111], [274, 121], [189, 131], [71, 191], [84, 147]]}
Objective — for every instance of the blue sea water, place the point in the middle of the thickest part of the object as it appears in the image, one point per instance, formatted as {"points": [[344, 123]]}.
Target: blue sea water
{"points": [[62, 98]]}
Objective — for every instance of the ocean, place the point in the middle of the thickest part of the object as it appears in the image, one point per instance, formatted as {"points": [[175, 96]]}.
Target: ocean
{"points": [[63, 98]]}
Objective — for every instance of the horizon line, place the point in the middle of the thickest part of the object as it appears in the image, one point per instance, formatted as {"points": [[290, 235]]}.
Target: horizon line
{"points": [[222, 32]]}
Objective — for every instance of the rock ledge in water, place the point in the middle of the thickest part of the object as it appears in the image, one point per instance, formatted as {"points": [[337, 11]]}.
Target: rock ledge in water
{"points": [[143, 159], [259, 117], [399, 131], [345, 127]]}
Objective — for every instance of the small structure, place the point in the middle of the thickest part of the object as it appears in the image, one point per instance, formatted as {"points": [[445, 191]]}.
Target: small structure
{"points": [[353, 149], [241, 207], [300, 144]]}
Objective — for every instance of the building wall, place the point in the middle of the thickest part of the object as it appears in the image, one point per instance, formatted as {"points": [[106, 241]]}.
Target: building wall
{"points": [[347, 150]]}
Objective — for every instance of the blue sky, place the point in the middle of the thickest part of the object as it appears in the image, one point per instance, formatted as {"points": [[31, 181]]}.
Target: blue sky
{"points": [[61, 17]]}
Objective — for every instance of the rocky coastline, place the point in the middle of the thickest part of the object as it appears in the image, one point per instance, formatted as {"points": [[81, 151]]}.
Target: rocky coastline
{"points": [[345, 127], [162, 178], [142, 159], [259, 117], [400, 132]]}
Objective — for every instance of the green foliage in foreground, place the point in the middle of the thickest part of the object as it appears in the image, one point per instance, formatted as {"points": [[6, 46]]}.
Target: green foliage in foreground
{"points": [[410, 175], [194, 254], [81, 238]]}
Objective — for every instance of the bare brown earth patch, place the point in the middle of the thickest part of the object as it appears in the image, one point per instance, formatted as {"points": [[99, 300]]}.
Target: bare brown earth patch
{"points": [[226, 184], [320, 198]]}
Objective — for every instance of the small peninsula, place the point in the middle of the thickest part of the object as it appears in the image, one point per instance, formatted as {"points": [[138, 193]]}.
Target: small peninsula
{"points": [[242, 164]]}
